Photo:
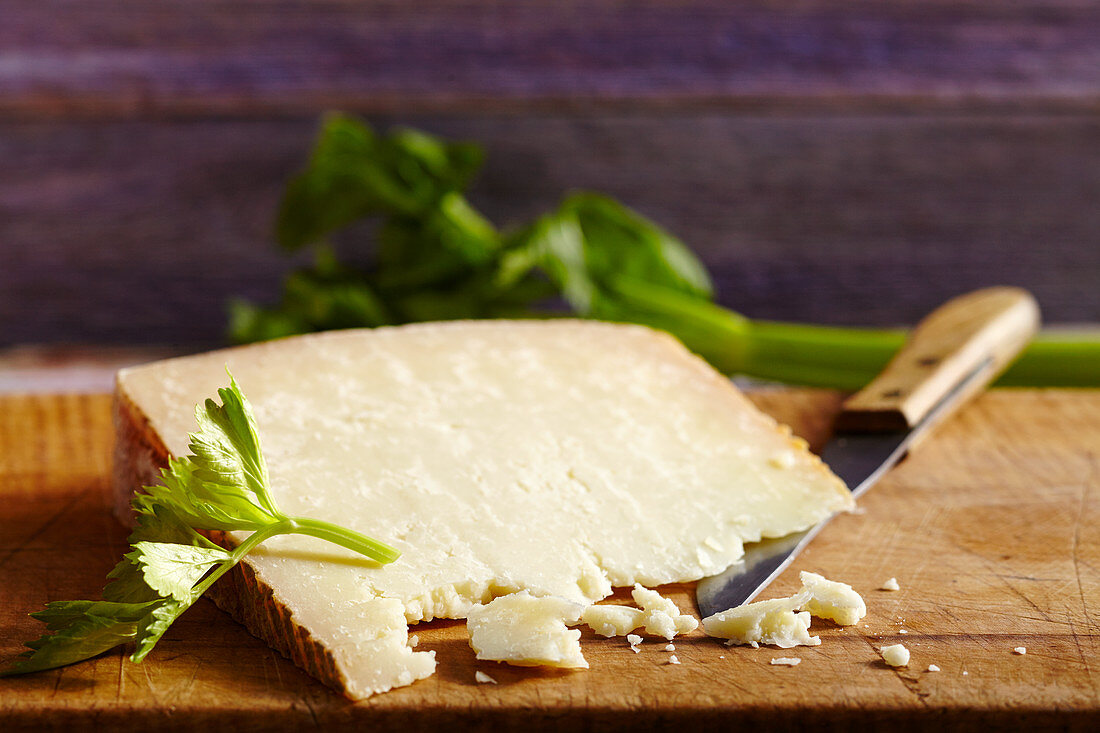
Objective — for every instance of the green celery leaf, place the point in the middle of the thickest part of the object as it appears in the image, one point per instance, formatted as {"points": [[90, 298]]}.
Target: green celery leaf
{"points": [[158, 524], [619, 241], [172, 569], [353, 173], [556, 245], [81, 630], [153, 625], [203, 504], [226, 448], [223, 485]]}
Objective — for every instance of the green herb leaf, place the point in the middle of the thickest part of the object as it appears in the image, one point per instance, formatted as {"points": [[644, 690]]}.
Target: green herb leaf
{"points": [[226, 449], [152, 626], [80, 630], [173, 570], [158, 524], [353, 173]]}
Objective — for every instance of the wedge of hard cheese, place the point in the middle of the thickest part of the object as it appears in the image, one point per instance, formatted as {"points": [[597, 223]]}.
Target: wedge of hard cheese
{"points": [[561, 457]]}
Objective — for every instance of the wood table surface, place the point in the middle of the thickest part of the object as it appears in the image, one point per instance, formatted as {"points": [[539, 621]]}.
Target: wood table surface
{"points": [[992, 529]]}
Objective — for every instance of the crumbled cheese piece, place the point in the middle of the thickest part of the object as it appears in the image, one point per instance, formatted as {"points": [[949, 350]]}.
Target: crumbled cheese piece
{"points": [[933, 668], [965, 673], [896, 655], [527, 631], [670, 647], [786, 661], [764, 622], [673, 659], [611, 620], [891, 584], [832, 600], [662, 617], [480, 451], [414, 640], [779, 621], [902, 631], [1020, 650], [633, 640], [483, 678]]}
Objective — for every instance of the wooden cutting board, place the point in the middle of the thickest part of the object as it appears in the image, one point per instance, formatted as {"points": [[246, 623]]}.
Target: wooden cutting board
{"points": [[992, 529]]}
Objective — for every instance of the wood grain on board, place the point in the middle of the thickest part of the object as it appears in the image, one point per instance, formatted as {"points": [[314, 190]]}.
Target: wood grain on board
{"points": [[992, 530]]}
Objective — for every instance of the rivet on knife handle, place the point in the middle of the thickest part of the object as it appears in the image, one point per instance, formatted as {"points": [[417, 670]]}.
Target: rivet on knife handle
{"points": [[983, 330]]}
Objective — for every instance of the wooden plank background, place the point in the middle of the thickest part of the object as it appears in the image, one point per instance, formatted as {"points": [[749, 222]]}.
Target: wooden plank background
{"points": [[843, 161]]}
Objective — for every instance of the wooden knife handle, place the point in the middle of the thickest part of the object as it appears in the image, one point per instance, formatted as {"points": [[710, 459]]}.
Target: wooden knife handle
{"points": [[980, 331]]}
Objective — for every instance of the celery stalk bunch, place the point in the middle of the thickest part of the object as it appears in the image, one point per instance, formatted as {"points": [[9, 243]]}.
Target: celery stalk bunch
{"points": [[433, 256]]}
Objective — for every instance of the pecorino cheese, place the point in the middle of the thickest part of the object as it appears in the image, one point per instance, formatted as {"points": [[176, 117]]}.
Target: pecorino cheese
{"points": [[560, 457], [527, 631]]}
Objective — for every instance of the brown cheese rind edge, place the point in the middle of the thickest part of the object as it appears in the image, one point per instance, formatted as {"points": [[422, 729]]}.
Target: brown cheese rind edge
{"points": [[139, 455]]}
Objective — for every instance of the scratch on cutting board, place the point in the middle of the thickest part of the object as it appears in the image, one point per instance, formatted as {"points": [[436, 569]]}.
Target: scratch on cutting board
{"points": [[1081, 507], [152, 687], [121, 677]]}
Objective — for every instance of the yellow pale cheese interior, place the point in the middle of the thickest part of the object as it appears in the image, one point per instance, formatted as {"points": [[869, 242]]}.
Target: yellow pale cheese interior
{"points": [[559, 457]]}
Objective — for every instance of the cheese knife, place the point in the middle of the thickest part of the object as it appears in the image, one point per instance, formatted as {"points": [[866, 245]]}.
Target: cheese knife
{"points": [[951, 356]]}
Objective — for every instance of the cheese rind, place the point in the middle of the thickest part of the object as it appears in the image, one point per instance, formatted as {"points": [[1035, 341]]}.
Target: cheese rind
{"points": [[496, 456], [527, 631]]}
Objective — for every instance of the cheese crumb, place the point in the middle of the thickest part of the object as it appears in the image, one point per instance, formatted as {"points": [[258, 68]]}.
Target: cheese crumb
{"points": [[902, 631], [610, 620], [1020, 650], [832, 600], [933, 668], [965, 673], [891, 584], [527, 631], [483, 678], [785, 622], [633, 640], [786, 661], [764, 622], [895, 655], [414, 640], [662, 617], [673, 659], [670, 647]]}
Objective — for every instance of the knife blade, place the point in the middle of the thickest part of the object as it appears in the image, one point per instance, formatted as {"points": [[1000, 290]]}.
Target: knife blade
{"points": [[951, 355]]}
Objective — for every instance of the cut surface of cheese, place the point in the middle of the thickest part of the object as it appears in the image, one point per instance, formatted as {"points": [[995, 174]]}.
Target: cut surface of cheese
{"points": [[561, 457], [527, 631]]}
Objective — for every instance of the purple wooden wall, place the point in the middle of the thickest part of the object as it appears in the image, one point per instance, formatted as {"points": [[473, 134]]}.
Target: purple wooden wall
{"points": [[843, 161]]}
